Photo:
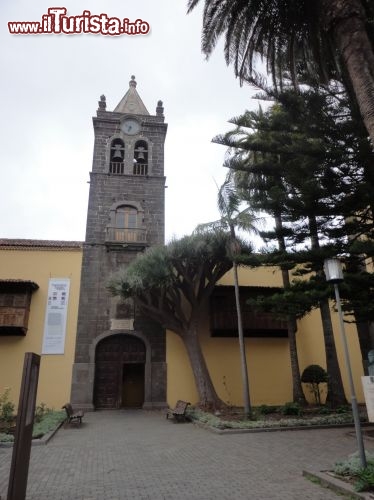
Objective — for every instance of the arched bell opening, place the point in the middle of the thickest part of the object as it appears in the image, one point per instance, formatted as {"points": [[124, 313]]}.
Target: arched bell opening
{"points": [[140, 166], [117, 156]]}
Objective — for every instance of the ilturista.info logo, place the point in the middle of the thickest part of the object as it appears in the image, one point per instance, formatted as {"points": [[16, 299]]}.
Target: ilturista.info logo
{"points": [[56, 22]]}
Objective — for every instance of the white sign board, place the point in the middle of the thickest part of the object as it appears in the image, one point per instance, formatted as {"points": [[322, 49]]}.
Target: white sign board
{"points": [[56, 315], [368, 386], [121, 324]]}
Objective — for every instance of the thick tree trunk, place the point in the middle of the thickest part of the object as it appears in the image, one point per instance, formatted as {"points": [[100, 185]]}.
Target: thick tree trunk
{"points": [[364, 331], [335, 395], [297, 390], [204, 385], [346, 21]]}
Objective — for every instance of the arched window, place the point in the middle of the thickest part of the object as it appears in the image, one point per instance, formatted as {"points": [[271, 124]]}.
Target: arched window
{"points": [[140, 158], [126, 225], [117, 156]]}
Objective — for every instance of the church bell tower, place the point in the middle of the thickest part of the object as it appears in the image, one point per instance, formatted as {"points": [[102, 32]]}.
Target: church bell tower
{"points": [[120, 354]]}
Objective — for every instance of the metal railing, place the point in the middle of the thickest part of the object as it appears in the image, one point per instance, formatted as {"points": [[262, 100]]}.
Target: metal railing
{"points": [[140, 169], [116, 167]]}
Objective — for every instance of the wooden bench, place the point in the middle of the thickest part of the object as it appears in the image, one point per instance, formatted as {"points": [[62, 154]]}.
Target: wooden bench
{"points": [[179, 412], [72, 417]]}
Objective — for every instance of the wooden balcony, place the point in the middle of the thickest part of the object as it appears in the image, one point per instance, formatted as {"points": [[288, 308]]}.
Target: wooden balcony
{"points": [[129, 237], [223, 316], [15, 299]]}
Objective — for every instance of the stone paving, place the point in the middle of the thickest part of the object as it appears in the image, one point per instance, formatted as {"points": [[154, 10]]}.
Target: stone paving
{"points": [[134, 454]]}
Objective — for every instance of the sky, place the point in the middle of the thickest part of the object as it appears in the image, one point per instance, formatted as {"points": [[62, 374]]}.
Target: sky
{"points": [[50, 86]]}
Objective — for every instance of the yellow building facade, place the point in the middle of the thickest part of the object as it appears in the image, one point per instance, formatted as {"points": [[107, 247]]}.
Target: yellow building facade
{"points": [[268, 359], [40, 262]]}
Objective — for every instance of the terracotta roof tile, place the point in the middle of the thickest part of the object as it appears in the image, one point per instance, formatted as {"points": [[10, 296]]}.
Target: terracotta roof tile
{"points": [[7, 243]]}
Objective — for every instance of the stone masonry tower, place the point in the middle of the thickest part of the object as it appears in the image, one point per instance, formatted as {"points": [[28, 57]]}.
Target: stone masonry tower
{"points": [[120, 355]]}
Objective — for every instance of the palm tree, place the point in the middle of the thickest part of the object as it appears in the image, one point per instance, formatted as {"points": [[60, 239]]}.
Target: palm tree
{"points": [[231, 217], [268, 191], [321, 38]]}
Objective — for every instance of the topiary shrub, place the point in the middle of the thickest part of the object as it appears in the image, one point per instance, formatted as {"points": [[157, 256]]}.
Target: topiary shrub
{"points": [[313, 376]]}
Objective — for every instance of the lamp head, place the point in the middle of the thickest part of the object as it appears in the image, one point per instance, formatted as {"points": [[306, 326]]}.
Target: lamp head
{"points": [[333, 270]]}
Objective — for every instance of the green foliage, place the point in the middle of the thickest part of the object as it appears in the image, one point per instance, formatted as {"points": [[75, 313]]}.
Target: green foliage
{"points": [[232, 214], [352, 468], [291, 408], [314, 480], [40, 411], [49, 421], [6, 406], [324, 410], [210, 420], [184, 271], [266, 409], [205, 418], [352, 465], [6, 438], [343, 409], [297, 42], [365, 479], [162, 268], [307, 162], [313, 376]]}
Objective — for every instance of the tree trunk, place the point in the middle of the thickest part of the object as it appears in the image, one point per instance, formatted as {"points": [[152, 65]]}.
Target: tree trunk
{"points": [[335, 394], [346, 21], [363, 326], [243, 358], [204, 385], [297, 390]]}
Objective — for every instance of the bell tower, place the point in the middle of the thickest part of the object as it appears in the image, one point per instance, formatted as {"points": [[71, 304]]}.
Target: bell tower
{"points": [[118, 349]]}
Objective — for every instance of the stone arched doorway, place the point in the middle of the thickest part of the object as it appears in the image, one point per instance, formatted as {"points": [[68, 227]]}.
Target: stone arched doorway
{"points": [[119, 372]]}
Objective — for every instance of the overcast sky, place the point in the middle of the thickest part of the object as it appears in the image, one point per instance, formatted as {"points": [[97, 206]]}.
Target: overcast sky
{"points": [[50, 86]]}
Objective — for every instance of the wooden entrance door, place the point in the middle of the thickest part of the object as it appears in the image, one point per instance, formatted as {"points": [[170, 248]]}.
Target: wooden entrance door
{"points": [[112, 355], [133, 385]]}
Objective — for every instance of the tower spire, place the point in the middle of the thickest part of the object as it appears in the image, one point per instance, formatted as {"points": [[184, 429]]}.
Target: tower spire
{"points": [[131, 102]]}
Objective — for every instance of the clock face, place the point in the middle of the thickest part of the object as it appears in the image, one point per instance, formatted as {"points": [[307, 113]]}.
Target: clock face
{"points": [[130, 126]]}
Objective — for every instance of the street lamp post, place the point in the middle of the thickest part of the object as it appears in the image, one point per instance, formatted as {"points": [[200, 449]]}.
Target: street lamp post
{"points": [[334, 274]]}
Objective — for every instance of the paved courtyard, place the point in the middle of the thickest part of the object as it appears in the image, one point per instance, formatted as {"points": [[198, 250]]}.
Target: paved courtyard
{"points": [[141, 455]]}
